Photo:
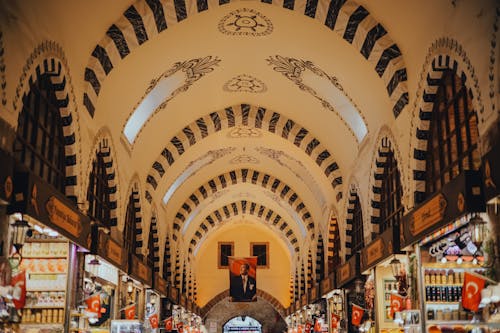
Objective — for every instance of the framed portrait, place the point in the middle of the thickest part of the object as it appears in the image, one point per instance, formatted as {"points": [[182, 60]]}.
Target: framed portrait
{"points": [[243, 279]]}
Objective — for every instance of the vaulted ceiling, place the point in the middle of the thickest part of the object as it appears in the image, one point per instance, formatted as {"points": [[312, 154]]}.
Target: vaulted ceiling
{"points": [[212, 103]]}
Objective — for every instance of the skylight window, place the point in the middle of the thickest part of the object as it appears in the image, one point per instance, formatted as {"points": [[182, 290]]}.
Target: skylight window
{"points": [[174, 81]]}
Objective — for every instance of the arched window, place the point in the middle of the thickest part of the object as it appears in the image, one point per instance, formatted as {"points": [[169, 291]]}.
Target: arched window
{"points": [[99, 191], [129, 231], [357, 227], [391, 209], [453, 142], [39, 142]]}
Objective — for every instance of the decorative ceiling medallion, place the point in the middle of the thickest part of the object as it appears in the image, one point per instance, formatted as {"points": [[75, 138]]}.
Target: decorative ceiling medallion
{"points": [[244, 159], [325, 88], [245, 83], [245, 22], [242, 131]]}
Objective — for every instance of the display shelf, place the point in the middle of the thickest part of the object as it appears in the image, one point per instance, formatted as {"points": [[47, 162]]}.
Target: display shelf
{"points": [[44, 307]]}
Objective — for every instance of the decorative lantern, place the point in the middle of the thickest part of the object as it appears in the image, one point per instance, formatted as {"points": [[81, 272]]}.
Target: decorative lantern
{"points": [[478, 230], [19, 229], [396, 268], [93, 266]]}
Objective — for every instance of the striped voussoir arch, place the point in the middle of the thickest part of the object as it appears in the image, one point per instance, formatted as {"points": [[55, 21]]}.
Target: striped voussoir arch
{"points": [[105, 151], [380, 164], [320, 260], [177, 274], [309, 276], [239, 176], [154, 241], [246, 115], [353, 197], [55, 70], [440, 64], [167, 261], [333, 244], [138, 221], [219, 216], [145, 19]]}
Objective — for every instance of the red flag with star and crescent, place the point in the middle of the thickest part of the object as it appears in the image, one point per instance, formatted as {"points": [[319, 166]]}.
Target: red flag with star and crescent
{"points": [[357, 314], [317, 326], [94, 304], [471, 291], [397, 302], [180, 327], [130, 312], [153, 320], [169, 324], [335, 320]]}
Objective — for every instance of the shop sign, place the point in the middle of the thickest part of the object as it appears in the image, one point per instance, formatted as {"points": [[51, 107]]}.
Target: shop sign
{"points": [[325, 285], [33, 196], [314, 293], [6, 174], [183, 301], [381, 248], [161, 285], [463, 194], [491, 173], [111, 251], [140, 270], [348, 270], [173, 295], [303, 299]]}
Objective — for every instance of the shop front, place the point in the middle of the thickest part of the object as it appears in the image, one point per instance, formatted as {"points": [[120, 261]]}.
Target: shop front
{"points": [[386, 286], [350, 280], [48, 231], [100, 284], [335, 304], [449, 232], [162, 307]]}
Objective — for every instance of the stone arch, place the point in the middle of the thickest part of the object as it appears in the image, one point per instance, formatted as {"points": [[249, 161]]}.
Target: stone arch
{"points": [[385, 143], [146, 19], [236, 176], [245, 115], [444, 54], [334, 243], [167, 260], [48, 58], [237, 208], [103, 144], [351, 201], [320, 260]]}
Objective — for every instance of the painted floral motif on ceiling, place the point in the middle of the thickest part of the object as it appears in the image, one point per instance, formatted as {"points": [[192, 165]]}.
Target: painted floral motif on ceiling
{"points": [[242, 131], [244, 158], [294, 70], [287, 161], [245, 22], [245, 83], [193, 70]]}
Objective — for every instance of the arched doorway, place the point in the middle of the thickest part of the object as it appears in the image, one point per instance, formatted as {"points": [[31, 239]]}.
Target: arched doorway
{"points": [[242, 324]]}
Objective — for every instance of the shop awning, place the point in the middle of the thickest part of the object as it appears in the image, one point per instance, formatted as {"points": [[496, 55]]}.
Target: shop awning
{"points": [[464, 194], [39, 200]]}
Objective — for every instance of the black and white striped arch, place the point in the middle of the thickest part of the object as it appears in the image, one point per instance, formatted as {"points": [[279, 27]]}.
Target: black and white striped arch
{"points": [[239, 176], [237, 208], [247, 115], [145, 19]]}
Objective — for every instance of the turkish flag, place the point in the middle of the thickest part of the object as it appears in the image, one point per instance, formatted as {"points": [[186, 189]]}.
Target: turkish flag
{"points": [[18, 281], [317, 326], [471, 291], [94, 304], [168, 324], [308, 327], [335, 320], [153, 320], [357, 314], [397, 302], [180, 327], [130, 312], [299, 329]]}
